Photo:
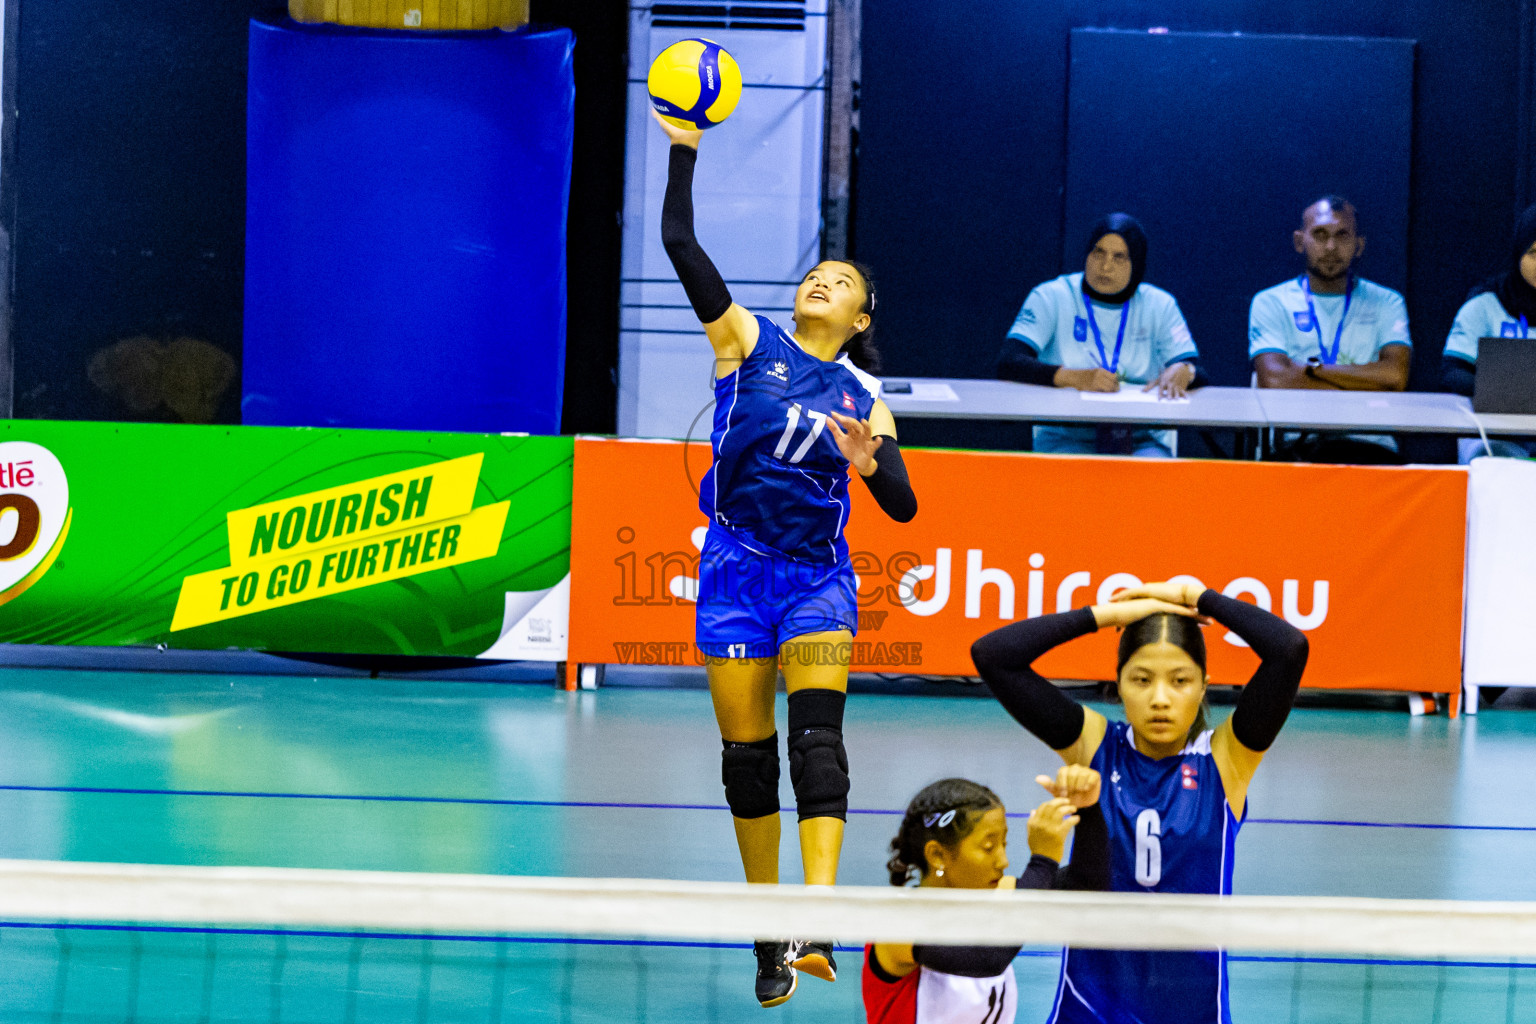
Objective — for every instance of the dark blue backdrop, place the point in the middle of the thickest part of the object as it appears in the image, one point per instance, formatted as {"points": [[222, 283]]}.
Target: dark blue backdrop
{"points": [[961, 199], [127, 192], [405, 228]]}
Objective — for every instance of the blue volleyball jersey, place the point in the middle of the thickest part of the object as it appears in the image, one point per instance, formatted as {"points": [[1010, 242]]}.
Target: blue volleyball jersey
{"points": [[778, 481], [1170, 830]]}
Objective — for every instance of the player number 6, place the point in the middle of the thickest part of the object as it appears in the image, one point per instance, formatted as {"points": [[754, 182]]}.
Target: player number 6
{"points": [[1149, 848]]}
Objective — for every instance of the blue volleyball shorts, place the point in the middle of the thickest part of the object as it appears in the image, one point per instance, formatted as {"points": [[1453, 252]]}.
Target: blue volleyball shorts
{"points": [[751, 603]]}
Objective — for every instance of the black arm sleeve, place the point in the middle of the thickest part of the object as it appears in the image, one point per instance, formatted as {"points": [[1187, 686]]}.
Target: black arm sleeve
{"points": [[1457, 375], [966, 961], [889, 483], [988, 961], [1040, 873], [703, 283], [1004, 656], [1019, 362], [1282, 651], [1089, 868]]}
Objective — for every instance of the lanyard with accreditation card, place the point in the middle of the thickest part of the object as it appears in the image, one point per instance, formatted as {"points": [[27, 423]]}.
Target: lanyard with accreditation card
{"points": [[1112, 365], [1328, 358]]}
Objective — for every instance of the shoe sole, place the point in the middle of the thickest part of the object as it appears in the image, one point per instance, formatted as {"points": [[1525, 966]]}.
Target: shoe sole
{"points": [[817, 966], [794, 983]]}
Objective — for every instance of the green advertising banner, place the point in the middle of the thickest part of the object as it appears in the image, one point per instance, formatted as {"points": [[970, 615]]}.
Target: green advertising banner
{"points": [[285, 539]]}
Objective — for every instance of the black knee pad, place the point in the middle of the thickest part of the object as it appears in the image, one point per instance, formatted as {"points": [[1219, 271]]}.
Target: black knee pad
{"points": [[750, 772], [818, 764]]}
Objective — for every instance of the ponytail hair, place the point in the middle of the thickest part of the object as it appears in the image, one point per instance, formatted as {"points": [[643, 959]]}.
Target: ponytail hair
{"points": [[946, 811], [1181, 631], [861, 347]]}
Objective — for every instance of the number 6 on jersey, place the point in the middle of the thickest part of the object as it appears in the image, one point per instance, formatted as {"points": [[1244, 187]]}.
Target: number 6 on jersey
{"points": [[1149, 848]]}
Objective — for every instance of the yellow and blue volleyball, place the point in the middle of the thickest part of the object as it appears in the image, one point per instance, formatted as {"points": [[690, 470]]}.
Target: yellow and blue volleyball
{"points": [[695, 84]]}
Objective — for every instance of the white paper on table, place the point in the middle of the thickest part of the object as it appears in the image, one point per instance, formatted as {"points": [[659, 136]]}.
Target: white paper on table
{"points": [[1130, 394], [927, 391]]}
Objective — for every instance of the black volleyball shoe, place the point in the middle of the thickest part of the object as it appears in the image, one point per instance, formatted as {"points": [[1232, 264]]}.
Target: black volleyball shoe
{"points": [[775, 977], [814, 958]]}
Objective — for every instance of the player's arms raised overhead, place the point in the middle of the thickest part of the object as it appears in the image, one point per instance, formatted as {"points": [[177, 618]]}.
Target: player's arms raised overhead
{"points": [[1239, 743], [1005, 658], [732, 331]]}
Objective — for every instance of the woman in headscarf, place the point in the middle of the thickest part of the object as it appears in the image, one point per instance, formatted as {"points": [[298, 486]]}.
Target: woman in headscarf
{"points": [[1503, 306], [1094, 329]]}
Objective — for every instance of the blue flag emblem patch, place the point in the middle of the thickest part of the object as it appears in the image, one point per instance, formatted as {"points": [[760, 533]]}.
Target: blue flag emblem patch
{"points": [[1303, 320], [1079, 328]]}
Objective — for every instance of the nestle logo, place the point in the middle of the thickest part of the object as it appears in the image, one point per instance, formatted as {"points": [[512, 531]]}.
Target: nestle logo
{"points": [[17, 474]]}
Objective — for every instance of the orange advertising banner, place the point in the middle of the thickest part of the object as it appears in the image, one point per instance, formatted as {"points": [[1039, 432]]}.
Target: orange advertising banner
{"points": [[1367, 561]]}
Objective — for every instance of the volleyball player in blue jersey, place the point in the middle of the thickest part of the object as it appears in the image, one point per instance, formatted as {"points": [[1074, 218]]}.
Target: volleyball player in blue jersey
{"points": [[1175, 792], [792, 413]]}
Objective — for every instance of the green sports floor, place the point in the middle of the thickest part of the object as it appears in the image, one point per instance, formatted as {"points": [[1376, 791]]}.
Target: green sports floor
{"points": [[517, 778]]}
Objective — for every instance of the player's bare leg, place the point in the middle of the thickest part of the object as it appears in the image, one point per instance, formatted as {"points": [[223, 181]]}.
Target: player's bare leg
{"points": [[818, 661]]}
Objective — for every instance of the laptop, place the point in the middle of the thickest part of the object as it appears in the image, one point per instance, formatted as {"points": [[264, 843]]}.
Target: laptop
{"points": [[1506, 375]]}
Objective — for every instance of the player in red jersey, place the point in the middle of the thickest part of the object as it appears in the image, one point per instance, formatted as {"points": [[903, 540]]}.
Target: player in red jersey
{"points": [[955, 835]]}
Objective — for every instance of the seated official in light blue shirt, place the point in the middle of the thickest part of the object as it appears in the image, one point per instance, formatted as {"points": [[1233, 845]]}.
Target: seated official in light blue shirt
{"points": [[1330, 330], [1092, 330], [1504, 306]]}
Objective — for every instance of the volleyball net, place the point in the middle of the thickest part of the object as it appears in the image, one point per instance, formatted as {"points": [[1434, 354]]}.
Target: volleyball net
{"points": [[112, 942]]}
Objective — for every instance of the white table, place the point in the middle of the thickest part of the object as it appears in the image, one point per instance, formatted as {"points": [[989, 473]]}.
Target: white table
{"points": [[1412, 412], [1232, 408], [1005, 400], [1505, 423]]}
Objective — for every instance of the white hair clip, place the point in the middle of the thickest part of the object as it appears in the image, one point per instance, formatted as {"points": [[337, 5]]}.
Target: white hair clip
{"points": [[937, 820]]}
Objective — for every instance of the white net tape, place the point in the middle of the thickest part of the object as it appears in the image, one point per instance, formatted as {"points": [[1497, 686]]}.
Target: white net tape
{"points": [[50, 891]]}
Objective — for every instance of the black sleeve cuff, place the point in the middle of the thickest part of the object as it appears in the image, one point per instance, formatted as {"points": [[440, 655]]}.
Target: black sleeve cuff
{"points": [[889, 484], [1457, 375], [1040, 873], [1019, 361], [966, 961]]}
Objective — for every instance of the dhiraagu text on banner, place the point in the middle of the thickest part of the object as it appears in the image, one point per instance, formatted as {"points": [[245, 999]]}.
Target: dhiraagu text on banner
{"points": [[327, 541]]}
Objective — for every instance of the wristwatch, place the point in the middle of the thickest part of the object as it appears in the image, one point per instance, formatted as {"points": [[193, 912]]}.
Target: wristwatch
{"points": [[1312, 365]]}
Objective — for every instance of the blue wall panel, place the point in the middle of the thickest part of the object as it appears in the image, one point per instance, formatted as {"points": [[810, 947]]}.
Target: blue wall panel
{"points": [[405, 228], [1214, 143]]}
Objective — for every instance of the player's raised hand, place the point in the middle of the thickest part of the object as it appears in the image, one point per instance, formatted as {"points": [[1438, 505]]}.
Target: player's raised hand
{"points": [[1049, 826], [1187, 594], [856, 441], [1123, 612], [1074, 782], [679, 136]]}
